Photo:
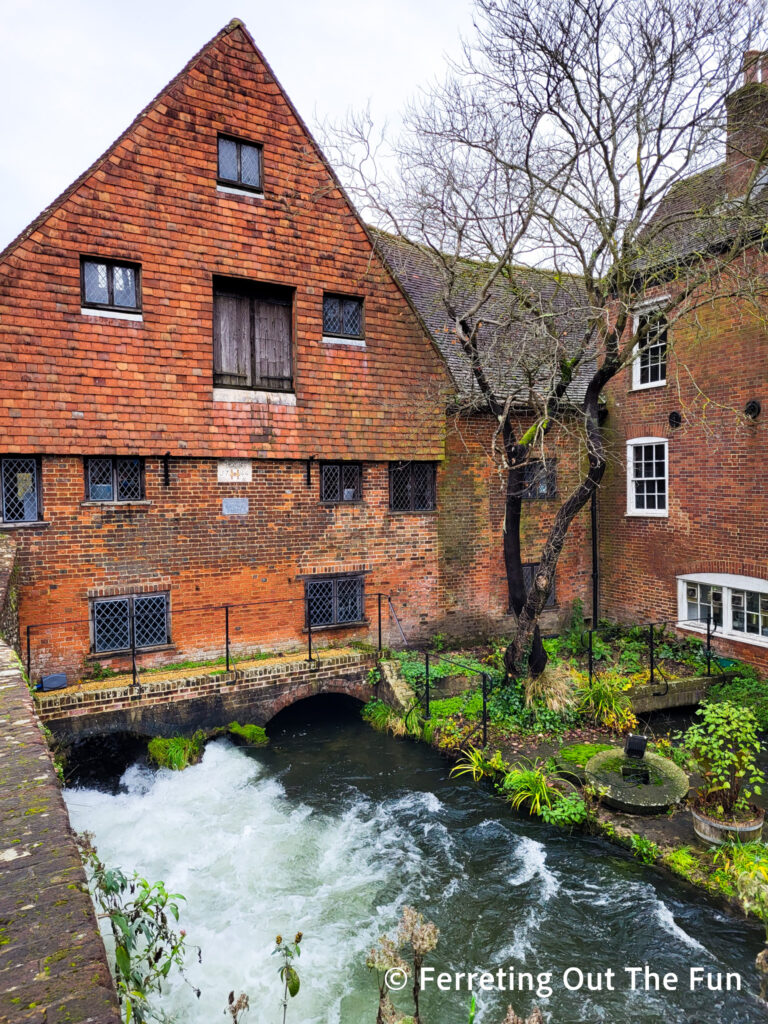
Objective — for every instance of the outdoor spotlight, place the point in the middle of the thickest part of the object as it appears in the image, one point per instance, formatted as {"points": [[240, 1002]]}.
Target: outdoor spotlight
{"points": [[635, 746], [675, 420], [752, 409]]}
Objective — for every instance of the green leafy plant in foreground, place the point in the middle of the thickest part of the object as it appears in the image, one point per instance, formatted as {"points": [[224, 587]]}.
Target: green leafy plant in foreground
{"points": [[567, 811], [725, 743], [644, 849], [747, 690], [288, 953], [141, 917], [531, 786]]}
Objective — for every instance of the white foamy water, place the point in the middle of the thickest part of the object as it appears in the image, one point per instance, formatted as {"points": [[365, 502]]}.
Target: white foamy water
{"points": [[332, 836], [251, 865]]}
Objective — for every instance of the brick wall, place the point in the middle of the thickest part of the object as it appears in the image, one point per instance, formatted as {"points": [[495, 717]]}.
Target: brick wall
{"points": [[718, 488], [473, 584], [179, 541]]}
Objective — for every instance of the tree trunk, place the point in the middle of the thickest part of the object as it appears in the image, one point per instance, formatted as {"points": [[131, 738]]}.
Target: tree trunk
{"points": [[530, 658]]}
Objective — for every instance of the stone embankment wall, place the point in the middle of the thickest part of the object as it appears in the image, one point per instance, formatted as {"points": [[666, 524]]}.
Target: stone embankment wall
{"points": [[53, 967]]}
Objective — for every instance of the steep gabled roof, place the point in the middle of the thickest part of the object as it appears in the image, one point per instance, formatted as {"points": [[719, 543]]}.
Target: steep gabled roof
{"points": [[420, 278]]}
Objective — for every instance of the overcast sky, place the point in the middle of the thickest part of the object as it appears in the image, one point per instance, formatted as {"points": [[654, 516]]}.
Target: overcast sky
{"points": [[74, 73]]}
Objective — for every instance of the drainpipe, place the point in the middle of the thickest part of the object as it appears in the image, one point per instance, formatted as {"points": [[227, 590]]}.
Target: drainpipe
{"points": [[595, 562]]}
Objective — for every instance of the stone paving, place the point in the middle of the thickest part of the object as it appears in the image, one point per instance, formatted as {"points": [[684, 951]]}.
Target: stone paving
{"points": [[53, 967]]}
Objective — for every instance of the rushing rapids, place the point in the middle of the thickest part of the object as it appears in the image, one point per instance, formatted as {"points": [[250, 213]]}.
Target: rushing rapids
{"points": [[333, 828]]}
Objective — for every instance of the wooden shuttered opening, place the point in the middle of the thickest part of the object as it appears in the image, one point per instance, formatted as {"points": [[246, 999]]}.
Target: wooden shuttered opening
{"points": [[232, 347], [252, 336]]}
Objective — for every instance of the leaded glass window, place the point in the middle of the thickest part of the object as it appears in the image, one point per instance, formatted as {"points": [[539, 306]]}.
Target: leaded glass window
{"points": [[340, 482], [141, 616], [412, 487], [20, 489], [342, 317], [106, 284], [240, 163], [114, 478], [334, 600]]}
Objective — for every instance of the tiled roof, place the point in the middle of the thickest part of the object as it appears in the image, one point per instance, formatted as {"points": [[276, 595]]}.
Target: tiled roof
{"points": [[509, 354]]}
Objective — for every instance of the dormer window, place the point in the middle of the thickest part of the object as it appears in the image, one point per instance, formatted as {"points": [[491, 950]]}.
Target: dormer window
{"points": [[239, 164], [110, 285]]}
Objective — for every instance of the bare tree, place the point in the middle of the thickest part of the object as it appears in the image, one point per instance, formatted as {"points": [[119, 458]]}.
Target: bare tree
{"points": [[564, 171]]}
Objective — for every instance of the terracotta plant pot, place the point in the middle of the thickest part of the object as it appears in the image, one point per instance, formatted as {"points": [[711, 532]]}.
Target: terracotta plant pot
{"points": [[712, 830]]}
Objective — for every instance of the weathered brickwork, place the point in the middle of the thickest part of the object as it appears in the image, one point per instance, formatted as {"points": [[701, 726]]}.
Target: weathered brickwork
{"points": [[179, 541], [471, 501], [76, 383], [718, 488]]}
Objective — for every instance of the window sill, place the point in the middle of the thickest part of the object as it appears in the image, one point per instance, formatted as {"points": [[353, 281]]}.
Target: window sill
{"points": [[30, 524], [349, 342], [285, 398], [647, 515], [718, 634], [233, 190], [112, 314], [139, 505], [103, 655], [341, 504], [338, 625], [647, 387], [412, 511]]}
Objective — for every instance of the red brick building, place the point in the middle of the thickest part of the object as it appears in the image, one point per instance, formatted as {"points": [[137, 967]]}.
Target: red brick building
{"points": [[213, 391], [684, 502]]}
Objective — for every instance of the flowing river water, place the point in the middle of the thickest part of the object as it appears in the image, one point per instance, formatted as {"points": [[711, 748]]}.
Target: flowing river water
{"points": [[333, 828]]}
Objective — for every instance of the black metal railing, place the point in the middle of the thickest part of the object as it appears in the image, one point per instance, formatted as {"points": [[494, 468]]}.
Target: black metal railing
{"points": [[432, 657], [229, 646], [652, 638]]}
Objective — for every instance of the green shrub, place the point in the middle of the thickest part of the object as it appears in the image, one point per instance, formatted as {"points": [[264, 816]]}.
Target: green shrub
{"points": [[529, 786], [644, 849], [725, 744], [567, 811], [178, 752], [747, 690], [605, 698]]}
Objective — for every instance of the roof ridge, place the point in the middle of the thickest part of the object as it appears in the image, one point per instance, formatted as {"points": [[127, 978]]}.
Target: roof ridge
{"points": [[54, 205]]}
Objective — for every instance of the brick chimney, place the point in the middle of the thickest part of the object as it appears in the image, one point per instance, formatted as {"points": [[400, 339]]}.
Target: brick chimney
{"points": [[747, 133]]}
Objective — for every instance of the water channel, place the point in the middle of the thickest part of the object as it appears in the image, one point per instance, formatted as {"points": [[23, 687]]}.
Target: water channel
{"points": [[333, 827]]}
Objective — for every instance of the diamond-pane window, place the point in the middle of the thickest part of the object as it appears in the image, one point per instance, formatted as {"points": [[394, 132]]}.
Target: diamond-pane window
{"points": [[129, 480], [412, 487], [335, 600], [113, 617], [340, 482], [119, 478], [240, 164], [320, 602], [342, 317], [106, 284], [20, 490], [150, 615], [100, 473]]}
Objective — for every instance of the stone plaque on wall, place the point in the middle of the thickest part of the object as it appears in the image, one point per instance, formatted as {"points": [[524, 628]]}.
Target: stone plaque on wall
{"points": [[234, 506], [235, 471]]}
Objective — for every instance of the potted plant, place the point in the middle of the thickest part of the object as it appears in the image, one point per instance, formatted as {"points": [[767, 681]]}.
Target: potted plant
{"points": [[725, 744]]}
